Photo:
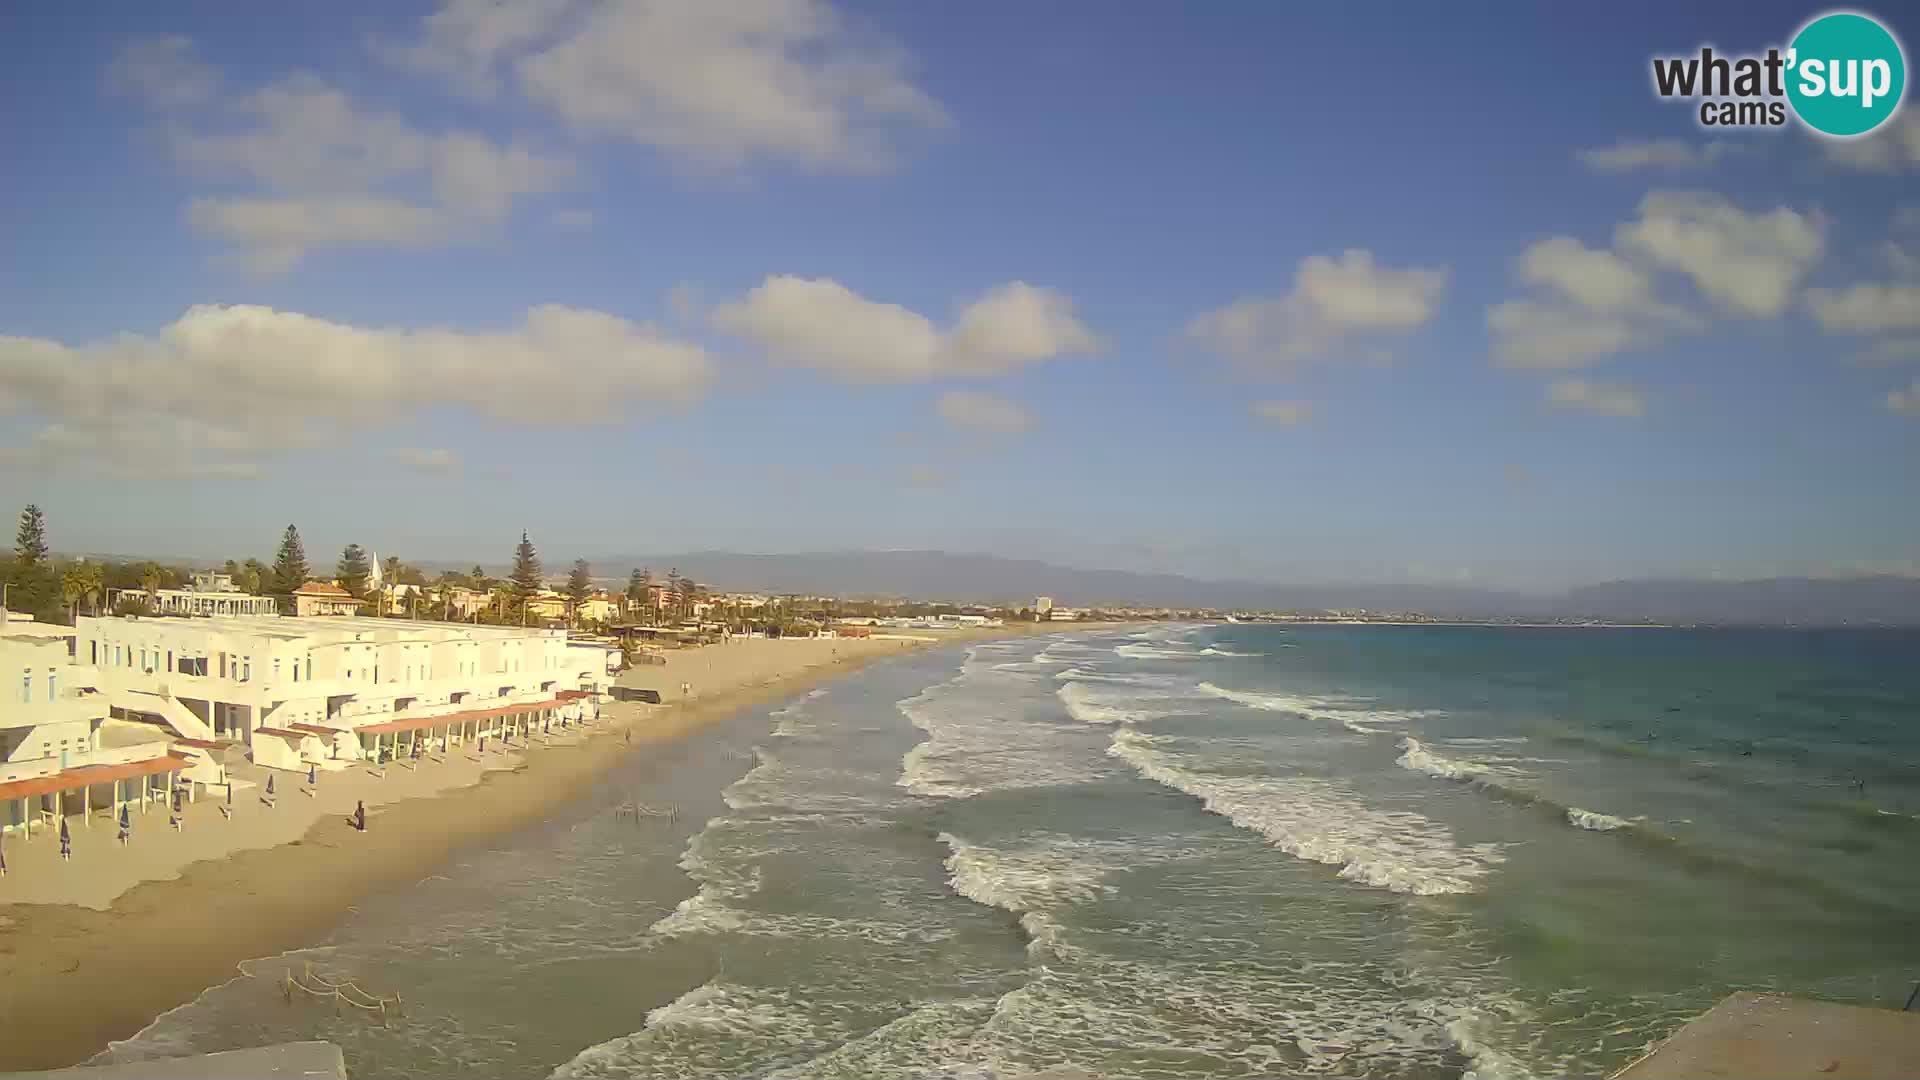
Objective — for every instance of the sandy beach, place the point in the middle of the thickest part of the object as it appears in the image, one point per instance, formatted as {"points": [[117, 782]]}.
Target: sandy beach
{"points": [[97, 947]]}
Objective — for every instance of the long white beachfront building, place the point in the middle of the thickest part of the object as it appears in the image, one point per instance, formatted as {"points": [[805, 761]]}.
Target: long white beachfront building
{"points": [[295, 691]]}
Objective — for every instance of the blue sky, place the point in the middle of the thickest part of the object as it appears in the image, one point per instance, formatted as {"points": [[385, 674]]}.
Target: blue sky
{"points": [[1309, 294]]}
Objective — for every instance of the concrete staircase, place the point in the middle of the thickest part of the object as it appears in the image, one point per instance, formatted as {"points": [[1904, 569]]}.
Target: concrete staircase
{"points": [[165, 706]]}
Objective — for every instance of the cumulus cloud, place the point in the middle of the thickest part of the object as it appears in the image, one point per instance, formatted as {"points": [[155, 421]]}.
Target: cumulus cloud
{"points": [[1336, 306], [975, 411], [714, 85], [1747, 263], [271, 235], [1867, 308], [818, 322], [1589, 304], [434, 460], [1283, 413], [1894, 147], [213, 387], [1905, 402], [1630, 155], [1586, 304], [1603, 399], [326, 171], [162, 72]]}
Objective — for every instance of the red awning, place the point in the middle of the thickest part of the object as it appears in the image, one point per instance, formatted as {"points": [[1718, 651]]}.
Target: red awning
{"points": [[316, 729], [415, 723], [572, 695], [280, 732], [87, 775], [197, 744]]}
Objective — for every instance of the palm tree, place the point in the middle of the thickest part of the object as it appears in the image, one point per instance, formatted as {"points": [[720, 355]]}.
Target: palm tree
{"points": [[73, 586]]}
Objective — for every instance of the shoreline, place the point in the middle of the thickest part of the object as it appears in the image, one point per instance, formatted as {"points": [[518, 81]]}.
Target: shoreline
{"points": [[83, 977]]}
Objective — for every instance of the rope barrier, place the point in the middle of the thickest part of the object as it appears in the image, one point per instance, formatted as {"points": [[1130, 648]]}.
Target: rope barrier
{"points": [[341, 993]]}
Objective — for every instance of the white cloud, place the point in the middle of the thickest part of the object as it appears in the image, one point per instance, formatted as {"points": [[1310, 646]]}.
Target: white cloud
{"points": [[1905, 402], [821, 323], [573, 218], [273, 234], [1867, 308], [715, 85], [1283, 413], [162, 72], [983, 412], [1604, 399], [435, 460], [1336, 305], [1893, 147], [326, 171], [467, 40], [1590, 277], [1590, 304], [214, 386], [1628, 155], [1748, 264]]}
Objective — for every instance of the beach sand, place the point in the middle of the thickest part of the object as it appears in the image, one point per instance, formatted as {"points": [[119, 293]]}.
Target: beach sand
{"points": [[94, 949]]}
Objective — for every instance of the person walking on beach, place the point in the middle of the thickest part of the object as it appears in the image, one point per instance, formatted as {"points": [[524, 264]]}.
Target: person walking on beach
{"points": [[66, 842], [360, 815]]}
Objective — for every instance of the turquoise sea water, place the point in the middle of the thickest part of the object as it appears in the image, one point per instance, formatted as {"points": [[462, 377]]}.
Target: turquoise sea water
{"points": [[1188, 851]]}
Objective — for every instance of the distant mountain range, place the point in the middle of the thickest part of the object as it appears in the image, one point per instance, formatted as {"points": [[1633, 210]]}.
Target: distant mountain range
{"points": [[1881, 600]]}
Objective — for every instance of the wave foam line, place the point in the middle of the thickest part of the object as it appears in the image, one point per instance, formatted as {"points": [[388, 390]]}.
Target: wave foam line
{"points": [[1322, 822]]}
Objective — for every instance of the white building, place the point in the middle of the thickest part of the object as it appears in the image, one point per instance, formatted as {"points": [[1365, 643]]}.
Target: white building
{"points": [[210, 594], [344, 684], [1043, 604], [51, 760], [323, 598]]}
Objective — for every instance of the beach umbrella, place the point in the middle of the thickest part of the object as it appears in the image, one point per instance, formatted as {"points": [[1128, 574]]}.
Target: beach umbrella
{"points": [[176, 799], [229, 793], [66, 838], [269, 785], [313, 774], [126, 822]]}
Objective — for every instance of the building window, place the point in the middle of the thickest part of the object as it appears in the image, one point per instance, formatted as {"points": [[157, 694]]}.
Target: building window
{"points": [[296, 671], [26, 686], [246, 668], [53, 686]]}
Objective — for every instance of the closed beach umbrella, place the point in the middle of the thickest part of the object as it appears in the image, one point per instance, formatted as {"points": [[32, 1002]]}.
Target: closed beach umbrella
{"points": [[313, 774], [269, 785], [229, 793], [66, 839], [176, 800], [125, 822], [3, 860]]}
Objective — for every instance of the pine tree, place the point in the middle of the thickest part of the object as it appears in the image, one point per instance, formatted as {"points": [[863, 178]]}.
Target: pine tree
{"points": [[30, 544], [580, 582], [526, 570], [34, 589], [636, 589], [676, 585], [353, 570], [290, 564]]}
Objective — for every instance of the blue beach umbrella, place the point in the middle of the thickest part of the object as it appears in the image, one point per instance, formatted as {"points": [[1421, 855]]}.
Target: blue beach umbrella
{"points": [[269, 785], [126, 822], [313, 774], [66, 838], [176, 800]]}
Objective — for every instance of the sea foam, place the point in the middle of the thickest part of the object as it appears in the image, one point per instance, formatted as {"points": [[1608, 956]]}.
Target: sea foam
{"points": [[1322, 821]]}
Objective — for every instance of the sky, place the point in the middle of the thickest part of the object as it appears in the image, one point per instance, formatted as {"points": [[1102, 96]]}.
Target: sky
{"points": [[1286, 292]]}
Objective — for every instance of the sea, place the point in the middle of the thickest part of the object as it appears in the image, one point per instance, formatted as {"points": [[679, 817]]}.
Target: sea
{"points": [[1182, 851]]}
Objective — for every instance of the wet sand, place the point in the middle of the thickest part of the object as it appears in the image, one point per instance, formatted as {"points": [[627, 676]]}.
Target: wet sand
{"points": [[79, 977]]}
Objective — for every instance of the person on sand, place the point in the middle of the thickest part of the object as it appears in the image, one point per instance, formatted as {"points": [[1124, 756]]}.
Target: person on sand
{"points": [[359, 818], [313, 774]]}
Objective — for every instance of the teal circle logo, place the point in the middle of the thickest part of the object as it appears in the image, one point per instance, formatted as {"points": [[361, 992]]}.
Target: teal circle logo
{"points": [[1846, 74]]}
